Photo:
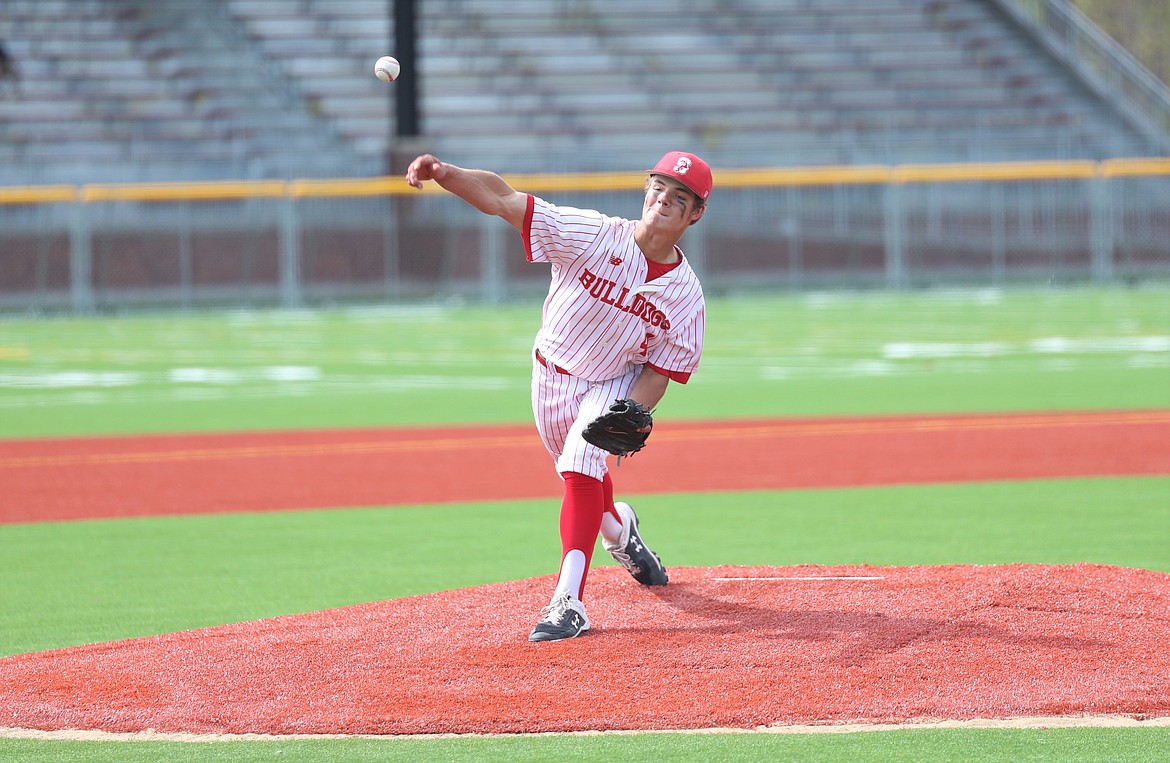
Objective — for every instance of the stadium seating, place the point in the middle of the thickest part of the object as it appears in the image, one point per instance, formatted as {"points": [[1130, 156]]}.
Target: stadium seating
{"points": [[116, 91], [278, 88]]}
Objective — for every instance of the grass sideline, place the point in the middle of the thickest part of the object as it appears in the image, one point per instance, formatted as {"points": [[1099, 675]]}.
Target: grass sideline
{"points": [[824, 354], [1118, 745], [72, 583], [780, 355]]}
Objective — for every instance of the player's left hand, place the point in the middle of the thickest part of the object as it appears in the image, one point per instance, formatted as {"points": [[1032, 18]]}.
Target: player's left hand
{"points": [[622, 430]]}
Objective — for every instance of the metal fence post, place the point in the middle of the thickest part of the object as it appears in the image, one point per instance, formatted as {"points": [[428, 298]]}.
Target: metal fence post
{"points": [[186, 264], [998, 234], [390, 244], [80, 260], [894, 236], [290, 254], [491, 260], [694, 243], [792, 233], [1101, 227]]}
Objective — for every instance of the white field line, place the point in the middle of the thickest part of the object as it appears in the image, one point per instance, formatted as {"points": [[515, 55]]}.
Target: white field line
{"points": [[809, 577], [305, 374], [1038, 722]]}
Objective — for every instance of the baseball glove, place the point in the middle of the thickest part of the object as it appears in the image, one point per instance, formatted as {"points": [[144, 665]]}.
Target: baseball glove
{"points": [[622, 430]]}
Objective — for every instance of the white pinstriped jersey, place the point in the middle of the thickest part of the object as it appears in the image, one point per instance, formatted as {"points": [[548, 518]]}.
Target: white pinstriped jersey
{"points": [[601, 318]]}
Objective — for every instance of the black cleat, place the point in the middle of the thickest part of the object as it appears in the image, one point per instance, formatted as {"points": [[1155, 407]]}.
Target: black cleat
{"points": [[632, 553], [563, 618]]}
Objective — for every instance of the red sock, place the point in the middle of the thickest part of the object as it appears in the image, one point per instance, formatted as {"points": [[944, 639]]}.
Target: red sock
{"points": [[607, 485], [581, 513]]}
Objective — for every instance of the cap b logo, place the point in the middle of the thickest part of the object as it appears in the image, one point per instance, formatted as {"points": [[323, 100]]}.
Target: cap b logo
{"points": [[688, 169]]}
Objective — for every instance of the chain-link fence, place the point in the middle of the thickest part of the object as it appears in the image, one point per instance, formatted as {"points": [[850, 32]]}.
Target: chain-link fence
{"points": [[316, 242]]}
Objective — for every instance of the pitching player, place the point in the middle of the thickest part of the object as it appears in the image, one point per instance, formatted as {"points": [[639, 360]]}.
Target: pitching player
{"points": [[623, 318]]}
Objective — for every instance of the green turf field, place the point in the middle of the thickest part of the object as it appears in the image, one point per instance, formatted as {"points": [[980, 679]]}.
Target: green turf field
{"points": [[822, 354], [833, 354]]}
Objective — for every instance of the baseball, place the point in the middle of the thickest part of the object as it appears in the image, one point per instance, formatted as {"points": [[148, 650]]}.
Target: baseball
{"points": [[387, 68]]}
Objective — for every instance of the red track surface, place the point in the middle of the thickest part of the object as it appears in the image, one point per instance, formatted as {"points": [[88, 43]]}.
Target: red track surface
{"points": [[915, 644], [172, 474]]}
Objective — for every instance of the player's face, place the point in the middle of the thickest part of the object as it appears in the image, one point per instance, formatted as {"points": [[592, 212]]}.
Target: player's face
{"points": [[669, 205]]}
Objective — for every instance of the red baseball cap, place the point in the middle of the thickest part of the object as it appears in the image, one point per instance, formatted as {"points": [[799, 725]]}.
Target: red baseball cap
{"points": [[687, 169]]}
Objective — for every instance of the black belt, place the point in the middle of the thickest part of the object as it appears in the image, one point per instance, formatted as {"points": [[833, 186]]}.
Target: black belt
{"points": [[540, 359]]}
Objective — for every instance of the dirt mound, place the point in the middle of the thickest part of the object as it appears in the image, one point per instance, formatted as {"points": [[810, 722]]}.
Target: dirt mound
{"points": [[719, 647]]}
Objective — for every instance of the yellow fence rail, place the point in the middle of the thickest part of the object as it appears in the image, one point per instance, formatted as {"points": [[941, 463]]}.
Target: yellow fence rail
{"points": [[89, 245], [596, 181]]}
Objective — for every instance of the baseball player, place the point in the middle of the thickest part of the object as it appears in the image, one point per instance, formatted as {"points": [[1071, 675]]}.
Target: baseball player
{"points": [[623, 318]]}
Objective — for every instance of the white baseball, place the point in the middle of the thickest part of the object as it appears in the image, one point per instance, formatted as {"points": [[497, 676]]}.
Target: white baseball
{"points": [[387, 68]]}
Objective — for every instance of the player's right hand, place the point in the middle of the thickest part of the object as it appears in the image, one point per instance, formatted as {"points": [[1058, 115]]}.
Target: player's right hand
{"points": [[425, 167]]}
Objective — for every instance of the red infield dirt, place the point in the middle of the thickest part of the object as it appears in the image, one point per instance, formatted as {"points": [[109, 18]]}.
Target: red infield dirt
{"points": [[718, 647], [105, 477]]}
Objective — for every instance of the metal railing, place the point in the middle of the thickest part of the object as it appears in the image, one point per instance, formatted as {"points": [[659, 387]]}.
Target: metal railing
{"points": [[1106, 66], [109, 246]]}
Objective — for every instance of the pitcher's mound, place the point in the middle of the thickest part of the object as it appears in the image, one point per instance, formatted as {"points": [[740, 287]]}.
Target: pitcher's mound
{"points": [[718, 647]]}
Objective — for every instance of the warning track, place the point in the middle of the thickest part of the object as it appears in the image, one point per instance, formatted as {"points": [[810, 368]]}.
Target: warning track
{"points": [[105, 477]]}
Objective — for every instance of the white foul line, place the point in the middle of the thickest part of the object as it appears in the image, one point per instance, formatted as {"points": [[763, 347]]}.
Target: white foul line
{"points": [[1037, 722], [813, 577]]}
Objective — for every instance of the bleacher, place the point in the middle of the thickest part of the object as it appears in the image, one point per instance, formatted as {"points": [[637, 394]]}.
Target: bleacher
{"points": [[754, 81], [114, 90], [188, 89]]}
